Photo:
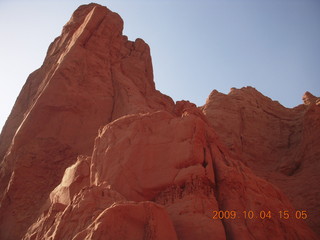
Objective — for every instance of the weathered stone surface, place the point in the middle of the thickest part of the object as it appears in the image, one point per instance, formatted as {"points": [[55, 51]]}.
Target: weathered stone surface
{"points": [[99, 212], [91, 75], [175, 161], [279, 144], [167, 150], [74, 179], [310, 99], [143, 220], [92, 150]]}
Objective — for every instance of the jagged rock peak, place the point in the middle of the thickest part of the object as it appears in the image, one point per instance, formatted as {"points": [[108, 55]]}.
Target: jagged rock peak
{"points": [[252, 94], [248, 94], [85, 21], [91, 76], [309, 99]]}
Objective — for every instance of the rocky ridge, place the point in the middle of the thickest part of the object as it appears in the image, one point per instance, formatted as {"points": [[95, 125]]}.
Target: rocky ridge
{"points": [[91, 150]]}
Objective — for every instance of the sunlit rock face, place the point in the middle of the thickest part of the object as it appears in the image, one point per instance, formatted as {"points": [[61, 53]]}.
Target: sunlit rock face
{"points": [[91, 150]]}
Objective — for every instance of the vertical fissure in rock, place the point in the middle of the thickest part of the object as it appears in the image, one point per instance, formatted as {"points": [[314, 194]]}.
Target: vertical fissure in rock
{"points": [[227, 230], [205, 162], [114, 94], [90, 35]]}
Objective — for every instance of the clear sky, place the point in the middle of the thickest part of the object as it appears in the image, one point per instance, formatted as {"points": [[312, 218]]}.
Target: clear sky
{"points": [[196, 45]]}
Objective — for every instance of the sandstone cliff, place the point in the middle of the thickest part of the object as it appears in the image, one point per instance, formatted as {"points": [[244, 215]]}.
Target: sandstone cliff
{"points": [[280, 145], [91, 150]]}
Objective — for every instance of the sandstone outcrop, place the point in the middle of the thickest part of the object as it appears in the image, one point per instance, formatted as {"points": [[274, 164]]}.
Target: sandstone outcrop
{"points": [[279, 144], [91, 75], [92, 150]]}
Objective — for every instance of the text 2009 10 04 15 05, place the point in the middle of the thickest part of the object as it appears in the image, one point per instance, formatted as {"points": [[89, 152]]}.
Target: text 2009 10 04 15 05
{"points": [[284, 214]]}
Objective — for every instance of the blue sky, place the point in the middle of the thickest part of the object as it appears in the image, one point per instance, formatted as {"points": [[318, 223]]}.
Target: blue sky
{"points": [[196, 46]]}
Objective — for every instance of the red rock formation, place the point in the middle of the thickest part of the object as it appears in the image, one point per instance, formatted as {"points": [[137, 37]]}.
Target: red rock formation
{"points": [[175, 161], [156, 170], [91, 75], [280, 145]]}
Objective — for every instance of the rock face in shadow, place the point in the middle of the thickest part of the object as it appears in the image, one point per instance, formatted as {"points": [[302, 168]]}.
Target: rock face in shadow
{"points": [[280, 145], [91, 150]]}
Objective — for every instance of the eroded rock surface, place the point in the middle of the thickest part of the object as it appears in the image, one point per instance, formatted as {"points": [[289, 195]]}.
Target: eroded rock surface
{"points": [[279, 144], [92, 150]]}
